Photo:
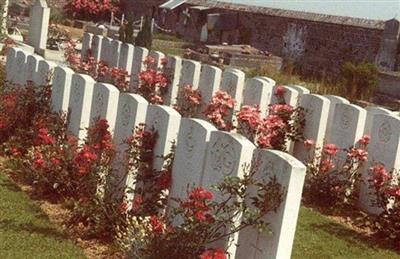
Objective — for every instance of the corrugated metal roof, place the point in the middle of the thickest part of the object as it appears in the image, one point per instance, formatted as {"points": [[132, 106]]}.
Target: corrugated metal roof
{"points": [[172, 4], [316, 17]]}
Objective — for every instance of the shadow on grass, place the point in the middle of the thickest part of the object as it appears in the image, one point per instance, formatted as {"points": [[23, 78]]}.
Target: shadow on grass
{"points": [[31, 228], [10, 186], [352, 237]]}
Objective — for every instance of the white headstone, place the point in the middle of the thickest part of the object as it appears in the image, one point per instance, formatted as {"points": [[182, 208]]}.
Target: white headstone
{"points": [[61, 89], [316, 108], [334, 100], [32, 67], [79, 104], [158, 57], [348, 127], [115, 53], [190, 73], [228, 154], [384, 148], [104, 104], [126, 57], [11, 58], [45, 72], [290, 174], [97, 45], [165, 121], [301, 89], [18, 68], [258, 92], [173, 73], [210, 79], [190, 155], [139, 55], [86, 44], [106, 51], [39, 25], [291, 96], [371, 112]]}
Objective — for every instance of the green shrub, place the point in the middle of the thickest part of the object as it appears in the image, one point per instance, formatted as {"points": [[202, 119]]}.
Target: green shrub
{"points": [[360, 80]]}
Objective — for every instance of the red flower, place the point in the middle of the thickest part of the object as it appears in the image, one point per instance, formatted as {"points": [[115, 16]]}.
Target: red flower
{"points": [[358, 153], [280, 91], [156, 225], [213, 254], [331, 149], [365, 140], [326, 165], [200, 193], [309, 143]]}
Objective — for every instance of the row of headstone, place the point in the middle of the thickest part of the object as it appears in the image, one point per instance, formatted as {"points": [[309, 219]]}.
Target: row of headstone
{"points": [[329, 119]]}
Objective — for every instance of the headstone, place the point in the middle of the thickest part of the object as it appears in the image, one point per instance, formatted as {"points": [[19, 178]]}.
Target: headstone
{"points": [[39, 25], [132, 110], [258, 92], [11, 58], [86, 44], [291, 96], [32, 67], [139, 55], [190, 73], [158, 57], [334, 100], [233, 83], [371, 112], [106, 51], [61, 89], [301, 89], [316, 108], [190, 155], [97, 45], [44, 76], [165, 122], [126, 57], [18, 68], [348, 127], [104, 104], [290, 174], [173, 72], [115, 53], [384, 148], [79, 104], [210, 79], [228, 155]]}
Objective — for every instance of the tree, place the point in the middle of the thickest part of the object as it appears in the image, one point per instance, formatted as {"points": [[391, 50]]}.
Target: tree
{"points": [[145, 36]]}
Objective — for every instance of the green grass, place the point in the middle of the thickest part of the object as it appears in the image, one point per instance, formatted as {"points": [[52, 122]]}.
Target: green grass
{"points": [[319, 237], [25, 232]]}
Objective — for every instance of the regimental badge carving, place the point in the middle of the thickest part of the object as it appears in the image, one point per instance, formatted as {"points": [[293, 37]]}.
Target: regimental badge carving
{"points": [[190, 143], [385, 132], [76, 94], [310, 109], [223, 157], [99, 104], [267, 168], [126, 113], [345, 119]]}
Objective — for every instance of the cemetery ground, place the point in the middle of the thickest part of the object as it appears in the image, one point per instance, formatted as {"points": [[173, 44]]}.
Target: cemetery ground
{"points": [[35, 227]]}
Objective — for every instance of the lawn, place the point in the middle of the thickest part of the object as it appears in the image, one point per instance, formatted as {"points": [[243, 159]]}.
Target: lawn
{"points": [[25, 232]]}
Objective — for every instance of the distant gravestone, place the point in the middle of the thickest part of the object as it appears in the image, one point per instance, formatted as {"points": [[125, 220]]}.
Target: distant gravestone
{"points": [[348, 127], [115, 53], [173, 72], [258, 92], [44, 76], [86, 44], [19, 67], [132, 110], [61, 89], [106, 51], [290, 174], [39, 26], [32, 67], [165, 121], [190, 155], [97, 45], [190, 73], [301, 89], [126, 57], [316, 108], [334, 100], [79, 104], [104, 104], [384, 148], [210, 79], [11, 58], [228, 155], [139, 55], [371, 112]]}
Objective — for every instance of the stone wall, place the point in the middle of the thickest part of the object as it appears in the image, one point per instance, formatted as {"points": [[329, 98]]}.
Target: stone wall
{"points": [[389, 84]]}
